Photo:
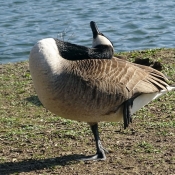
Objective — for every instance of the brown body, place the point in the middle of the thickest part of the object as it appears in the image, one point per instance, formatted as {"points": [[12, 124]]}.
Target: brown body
{"points": [[90, 90], [89, 84]]}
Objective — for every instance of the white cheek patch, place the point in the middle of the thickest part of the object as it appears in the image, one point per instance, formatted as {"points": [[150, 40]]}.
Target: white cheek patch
{"points": [[101, 40]]}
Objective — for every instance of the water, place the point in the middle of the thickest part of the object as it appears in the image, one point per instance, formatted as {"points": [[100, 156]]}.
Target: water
{"points": [[130, 25]]}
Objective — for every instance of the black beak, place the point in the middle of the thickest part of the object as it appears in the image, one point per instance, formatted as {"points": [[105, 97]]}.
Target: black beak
{"points": [[94, 29]]}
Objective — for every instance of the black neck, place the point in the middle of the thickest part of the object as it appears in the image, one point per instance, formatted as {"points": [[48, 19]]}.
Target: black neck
{"points": [[76, 52]]}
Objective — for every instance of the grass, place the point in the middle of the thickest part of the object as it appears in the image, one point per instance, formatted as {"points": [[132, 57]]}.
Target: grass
{"points": [[35, 141]]}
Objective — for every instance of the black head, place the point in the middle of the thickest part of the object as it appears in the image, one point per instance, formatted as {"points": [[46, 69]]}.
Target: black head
{"points": [[98, 37]]}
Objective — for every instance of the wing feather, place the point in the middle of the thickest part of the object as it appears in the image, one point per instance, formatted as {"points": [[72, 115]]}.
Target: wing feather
{"points": [[117, 77]]}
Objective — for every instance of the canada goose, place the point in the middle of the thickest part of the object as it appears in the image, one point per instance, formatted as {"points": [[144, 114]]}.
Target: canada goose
{"points": [[90, 85]]}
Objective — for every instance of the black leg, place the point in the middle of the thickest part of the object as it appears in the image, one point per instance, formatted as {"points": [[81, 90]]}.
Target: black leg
{"points": [[100, 155], [127, 113], [100, 149]]}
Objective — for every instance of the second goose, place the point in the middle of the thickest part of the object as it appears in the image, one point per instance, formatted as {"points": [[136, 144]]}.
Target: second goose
{"points": [[90, 85]]}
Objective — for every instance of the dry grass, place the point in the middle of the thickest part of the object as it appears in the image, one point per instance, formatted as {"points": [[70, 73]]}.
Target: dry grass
{"points": [[34, 141]]}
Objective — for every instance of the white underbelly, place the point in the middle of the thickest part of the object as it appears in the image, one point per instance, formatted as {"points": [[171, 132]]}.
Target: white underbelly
{"points": [[144, 99], [80, 112]]}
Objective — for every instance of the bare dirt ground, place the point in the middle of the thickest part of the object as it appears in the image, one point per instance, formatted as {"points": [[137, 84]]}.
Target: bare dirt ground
{"points": [[34, 141]]}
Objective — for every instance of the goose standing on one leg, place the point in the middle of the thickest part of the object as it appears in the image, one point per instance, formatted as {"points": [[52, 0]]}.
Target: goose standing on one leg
{"points": [[87, 84]]}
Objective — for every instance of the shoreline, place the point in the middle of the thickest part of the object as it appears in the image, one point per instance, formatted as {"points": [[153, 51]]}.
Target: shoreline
{"points": [[116, 53]]}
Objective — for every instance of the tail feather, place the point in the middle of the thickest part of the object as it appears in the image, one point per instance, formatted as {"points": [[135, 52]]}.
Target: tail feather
{"points": [[171, 88], [144, 99]]}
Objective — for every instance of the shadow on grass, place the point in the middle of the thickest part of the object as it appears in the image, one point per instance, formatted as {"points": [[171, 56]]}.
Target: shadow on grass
{"points": [[28, 165], [34, 100]]}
